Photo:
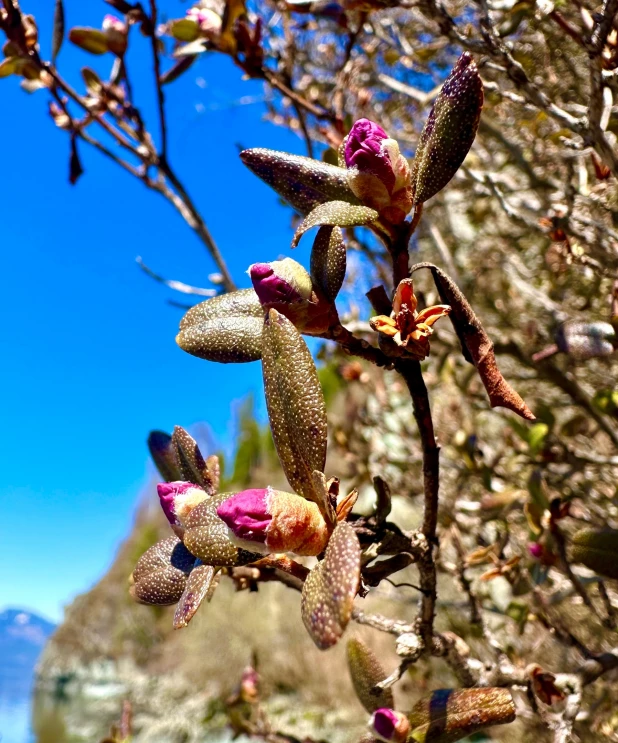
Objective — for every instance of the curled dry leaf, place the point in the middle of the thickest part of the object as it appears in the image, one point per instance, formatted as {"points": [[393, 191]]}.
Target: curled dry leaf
{"points": [[449, 715], [476, 344], [335, 214], [328, 261], [198, 587], [208, 537], [161, 450], [329, 590], [160, 575], [366, 672], [227, 328], [191, 464], [295, 403], [302, 182]]}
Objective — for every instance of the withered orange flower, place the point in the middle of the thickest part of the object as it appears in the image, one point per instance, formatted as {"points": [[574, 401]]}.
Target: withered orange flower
{"points": [[408, 329]]}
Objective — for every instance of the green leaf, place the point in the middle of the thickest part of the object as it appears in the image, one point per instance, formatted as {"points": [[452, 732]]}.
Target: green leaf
{"points": [[536, 438], [161, 449], [366, 672], [227, 328], [89, 39], [94, 86], [302, 182], [9, 66], [160, 575], [597, 549], [177, 70], [184, 29], [295, 403], [192, 466], [450, 130], [335, 213], [328, 261], [329, 590]]}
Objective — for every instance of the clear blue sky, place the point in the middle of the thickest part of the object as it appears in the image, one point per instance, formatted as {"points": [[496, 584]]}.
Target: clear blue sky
{"points": [[89, 363]]}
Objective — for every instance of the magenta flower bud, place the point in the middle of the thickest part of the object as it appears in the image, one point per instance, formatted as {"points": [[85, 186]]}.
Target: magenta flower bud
{"points": [[535, 549], [178, 499], [364, 150], [280, 522], [246, 514], [389, 726], [281, 282]]}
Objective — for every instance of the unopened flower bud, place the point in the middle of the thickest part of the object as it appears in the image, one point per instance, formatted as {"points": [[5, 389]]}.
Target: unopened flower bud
{"points": [[116, 33], [267, 520], [585, 340], [208, 21], [284, 281], [379, 174], [178, 499], [389, 726]]}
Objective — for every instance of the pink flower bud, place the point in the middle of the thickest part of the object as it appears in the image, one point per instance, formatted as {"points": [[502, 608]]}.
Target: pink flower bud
{"points": [[178, 499], [280, 522], [535, 549], [364, 150], [389, 726], [280, 282], [208, 21]]}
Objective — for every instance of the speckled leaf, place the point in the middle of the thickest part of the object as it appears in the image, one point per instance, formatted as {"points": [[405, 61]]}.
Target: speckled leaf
{"points": [[160, 575], [476, 345], [163, 455], [191, 464], [449, 130], [330, 588], [328, 261], [295, 403], [198, 585], [302, 182], [227, 328], [208, 537], [366, 671], [335, 213], [597, 549], [58, 32], [89, 39], [449, 715]]}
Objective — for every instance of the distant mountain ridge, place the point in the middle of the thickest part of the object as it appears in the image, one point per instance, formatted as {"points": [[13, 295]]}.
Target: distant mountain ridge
{"points": [[23, 636]]}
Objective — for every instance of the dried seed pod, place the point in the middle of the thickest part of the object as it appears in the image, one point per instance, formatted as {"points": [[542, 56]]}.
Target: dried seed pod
{"points": [[208, 538], [162, 452], [585, 340], [597, 549], [366, 672], [302, 182], [199, 585], [160, 575], [328, 261], [227, 328], [449, 131], [329, 590], [296, 408], [449, 715], [192, 466]]}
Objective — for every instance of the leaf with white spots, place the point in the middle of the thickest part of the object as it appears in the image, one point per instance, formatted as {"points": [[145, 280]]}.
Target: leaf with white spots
{"points": [[160, 575], [329, 590], [199, 584], [335, 214], [301, 181], [191, 464], [208, 537], [295, 403], [162, 452], [328, 261]]}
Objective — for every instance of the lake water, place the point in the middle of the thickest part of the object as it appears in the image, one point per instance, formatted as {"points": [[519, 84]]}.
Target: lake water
{"points": [[15, 719]]}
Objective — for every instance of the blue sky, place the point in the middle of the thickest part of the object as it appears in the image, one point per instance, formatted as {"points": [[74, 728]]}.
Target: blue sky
{"points": [[89, 363]]}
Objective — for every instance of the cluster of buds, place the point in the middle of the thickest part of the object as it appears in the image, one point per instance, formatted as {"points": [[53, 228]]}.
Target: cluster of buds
{"points": [[406, 332], [17, 60]]}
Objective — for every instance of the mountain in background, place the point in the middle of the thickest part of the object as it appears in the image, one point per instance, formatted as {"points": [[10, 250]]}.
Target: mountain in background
{"points": [[22, 638]]}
